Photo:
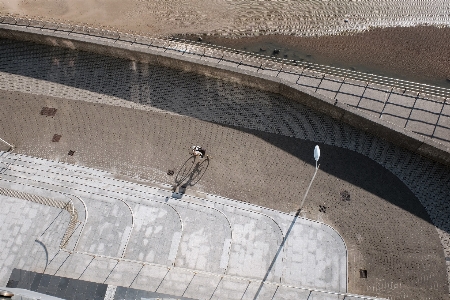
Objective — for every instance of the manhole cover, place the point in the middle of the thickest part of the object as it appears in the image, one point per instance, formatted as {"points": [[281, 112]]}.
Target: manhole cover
{"points": [[48, 111], [362, 273], [170, 172], [345, 196], [71, 152], [56, 138], [322, 208]]}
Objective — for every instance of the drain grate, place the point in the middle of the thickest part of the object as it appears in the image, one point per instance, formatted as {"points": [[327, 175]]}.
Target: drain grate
{"points": [[170, 172], [322, 208], [71, 152], [48, 111], [362, 273], [56, 138], [345, 195]]}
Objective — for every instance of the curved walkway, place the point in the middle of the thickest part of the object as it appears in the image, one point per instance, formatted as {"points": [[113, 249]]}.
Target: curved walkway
{"points": [[271, 115], [413, 107], [207, 244]]}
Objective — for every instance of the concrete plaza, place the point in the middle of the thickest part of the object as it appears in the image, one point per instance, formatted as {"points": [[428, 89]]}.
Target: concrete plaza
{"points": [[261, 147]]}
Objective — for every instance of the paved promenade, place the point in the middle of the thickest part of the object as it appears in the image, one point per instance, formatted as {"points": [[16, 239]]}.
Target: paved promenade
{"points": [[254, 166], [225, 247], [261, 146], [419, 108]]}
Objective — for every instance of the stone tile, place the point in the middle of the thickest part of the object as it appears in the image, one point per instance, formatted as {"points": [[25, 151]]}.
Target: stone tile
{"points": [[420, 127], [57, 262], [401, 122], [232, 289], [124, 273], [291, 293], [424, 117], [268, 72], [229, 63], [397, 110], [202, 286], [442, 133], [292, 69], [352, 89], [330, 94], [248, 68], [324, 296], [348, 99], [99, 269], [308, 81], [176, 282], [157, 229], [289, 77], [330, 85], [376, 95], [373, 106], [149, 278], [428, 106], [257, 291], [75, 266]]}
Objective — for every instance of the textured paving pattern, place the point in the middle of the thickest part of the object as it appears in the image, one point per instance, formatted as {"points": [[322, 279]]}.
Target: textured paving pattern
{"points": [[267, 168], [419, 109], [61, 287], [208, 242]]}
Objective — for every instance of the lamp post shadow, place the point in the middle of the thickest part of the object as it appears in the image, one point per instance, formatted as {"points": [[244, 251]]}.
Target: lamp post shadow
{"points": [[280, 248]]}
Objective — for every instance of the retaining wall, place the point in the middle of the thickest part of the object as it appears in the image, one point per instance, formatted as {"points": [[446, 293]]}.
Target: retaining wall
{"points": [[170, 54]]}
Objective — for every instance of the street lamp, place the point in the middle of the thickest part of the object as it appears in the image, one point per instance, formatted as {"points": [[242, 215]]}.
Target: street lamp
{"points": [[316, 157], [316, 154]]}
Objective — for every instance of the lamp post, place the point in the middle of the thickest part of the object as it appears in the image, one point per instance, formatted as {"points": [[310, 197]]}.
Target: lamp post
{"points": [[316, 157], [316, 154]]}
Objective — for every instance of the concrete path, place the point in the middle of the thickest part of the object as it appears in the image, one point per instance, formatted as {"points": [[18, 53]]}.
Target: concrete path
{"points": [[242, 244]]}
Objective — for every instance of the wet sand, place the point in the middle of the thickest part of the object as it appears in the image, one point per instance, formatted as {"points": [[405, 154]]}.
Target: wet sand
{"points": [[420, 54], [326, 32]]}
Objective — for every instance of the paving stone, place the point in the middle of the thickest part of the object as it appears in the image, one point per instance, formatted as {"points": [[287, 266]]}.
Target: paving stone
{"points": [[73, 266], [276, 118], [353, 90], [324, 296], [99, 269], [348, 99], [288, 76], [373, 107], [332, 86], [229, 288], [202, 286], [257, 291], [124, 273], [176, 282], [291, 293], [150, 278], [155, 229]]}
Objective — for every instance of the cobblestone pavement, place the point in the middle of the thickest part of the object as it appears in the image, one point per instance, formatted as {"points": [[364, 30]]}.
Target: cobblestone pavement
{"points": [[263, 168], [261, 151], [419, 108]]}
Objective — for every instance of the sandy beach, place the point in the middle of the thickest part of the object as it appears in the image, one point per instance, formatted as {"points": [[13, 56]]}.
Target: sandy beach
{"points": [[403, 39]]}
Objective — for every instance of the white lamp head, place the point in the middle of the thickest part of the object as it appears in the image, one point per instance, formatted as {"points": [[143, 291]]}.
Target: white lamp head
{"points": [[316, 153]]}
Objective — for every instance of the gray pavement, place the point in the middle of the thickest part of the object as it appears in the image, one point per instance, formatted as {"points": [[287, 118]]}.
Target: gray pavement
{"points": [[263, 174], [268, 168], [422, 109], [235, 241]]}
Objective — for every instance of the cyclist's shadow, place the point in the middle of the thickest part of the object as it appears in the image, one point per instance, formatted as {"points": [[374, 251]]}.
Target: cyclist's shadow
{"points": [[191, 172]]}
